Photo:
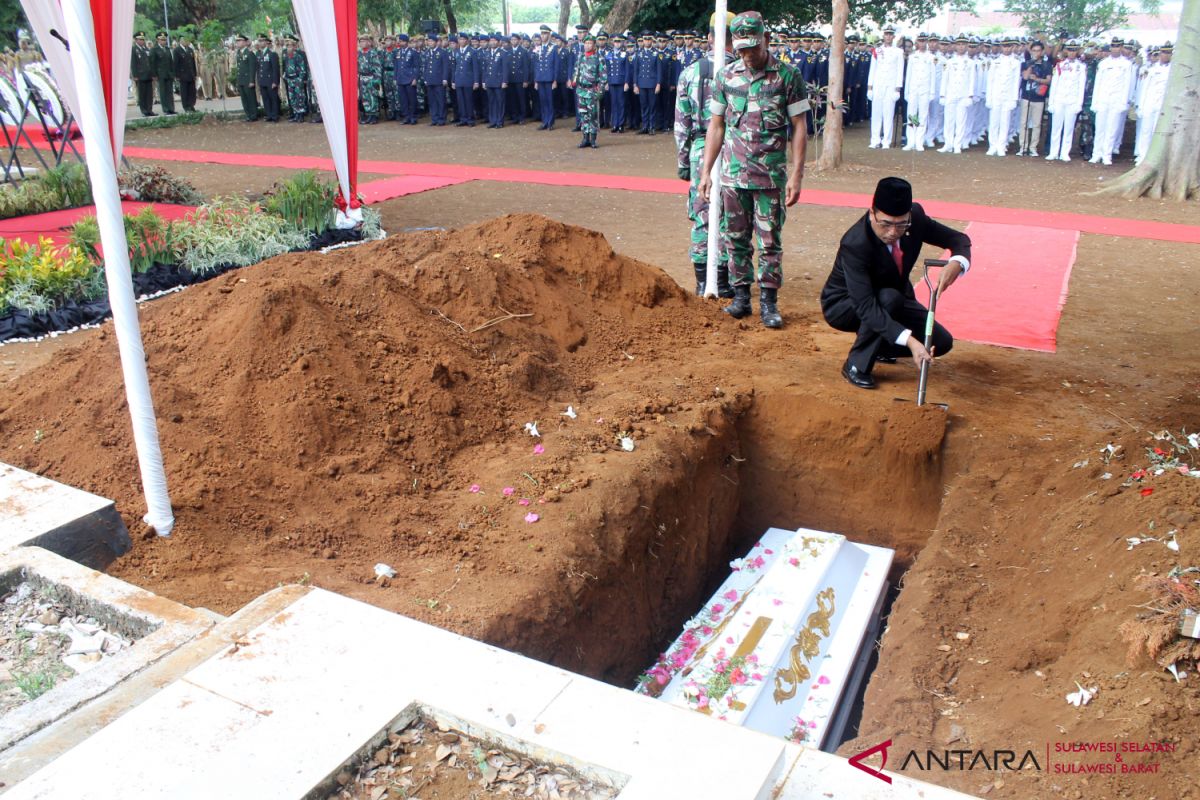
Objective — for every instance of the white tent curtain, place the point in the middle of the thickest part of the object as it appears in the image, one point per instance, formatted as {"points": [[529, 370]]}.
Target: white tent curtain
{"points": [[46, 16]]}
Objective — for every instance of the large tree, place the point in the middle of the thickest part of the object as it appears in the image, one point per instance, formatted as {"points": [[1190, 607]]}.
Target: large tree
{"points": [[1076, 18], [1171, 167], [831, 141]]}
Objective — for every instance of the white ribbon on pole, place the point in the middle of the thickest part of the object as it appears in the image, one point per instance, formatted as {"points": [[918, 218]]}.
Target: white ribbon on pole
{"points": [[94, 122], [714, 205]]}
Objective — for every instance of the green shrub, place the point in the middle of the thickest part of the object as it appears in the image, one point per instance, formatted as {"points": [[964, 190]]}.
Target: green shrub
{"points": [[304, 201], [153, 184], [70, 183], [39, 277], [231, 230]]}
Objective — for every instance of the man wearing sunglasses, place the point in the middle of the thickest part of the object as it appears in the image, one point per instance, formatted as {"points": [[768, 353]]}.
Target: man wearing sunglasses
{"points": [[870, 290]]}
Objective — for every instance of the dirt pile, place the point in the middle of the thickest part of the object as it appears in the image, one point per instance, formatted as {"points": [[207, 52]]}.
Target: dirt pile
{"points": [[321, 414]]}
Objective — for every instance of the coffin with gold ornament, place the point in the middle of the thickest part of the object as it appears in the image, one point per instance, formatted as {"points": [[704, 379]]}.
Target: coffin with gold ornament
{"points": [[782, 646]]}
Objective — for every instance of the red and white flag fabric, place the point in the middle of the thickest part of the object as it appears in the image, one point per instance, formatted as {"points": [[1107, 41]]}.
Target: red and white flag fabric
{"points": [[99, 35], [111, 36], [330, 32]]}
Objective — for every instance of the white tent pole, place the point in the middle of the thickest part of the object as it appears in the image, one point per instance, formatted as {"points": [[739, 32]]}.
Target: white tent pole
{"points": [[714, 205], [94, 122]]}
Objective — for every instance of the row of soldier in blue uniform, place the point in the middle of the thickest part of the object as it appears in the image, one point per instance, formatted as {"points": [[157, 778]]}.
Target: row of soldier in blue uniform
{"points": [[516, 78]]}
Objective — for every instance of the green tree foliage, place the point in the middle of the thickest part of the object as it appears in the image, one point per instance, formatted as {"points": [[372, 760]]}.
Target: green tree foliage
{"points": [[11, 18], [547, 14], [660, 14], [1076, 18]]}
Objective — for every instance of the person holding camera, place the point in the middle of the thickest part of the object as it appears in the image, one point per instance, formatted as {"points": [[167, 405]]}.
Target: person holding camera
{"points": [[1035, 85]]}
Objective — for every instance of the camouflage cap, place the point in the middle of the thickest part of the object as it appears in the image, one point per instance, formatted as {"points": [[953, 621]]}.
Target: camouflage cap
{"points": [[747, 30]]}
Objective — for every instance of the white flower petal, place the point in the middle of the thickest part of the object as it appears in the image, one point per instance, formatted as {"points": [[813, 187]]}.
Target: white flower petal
{"points": [[531, 429], [384, 571], [570, 413], [627, 444]]}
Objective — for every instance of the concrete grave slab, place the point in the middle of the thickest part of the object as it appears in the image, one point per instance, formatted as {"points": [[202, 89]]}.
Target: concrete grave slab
{"points": [[158, 625], [77, 525], [283, 708]]}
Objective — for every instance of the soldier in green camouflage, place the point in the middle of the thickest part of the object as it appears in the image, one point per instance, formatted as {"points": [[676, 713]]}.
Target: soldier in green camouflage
{"points": [[369, 76], [295, 73], [692, 115], [754, 100], [590, 82]]}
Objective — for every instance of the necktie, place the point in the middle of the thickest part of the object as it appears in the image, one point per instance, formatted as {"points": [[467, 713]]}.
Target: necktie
{"points": [[898, 257]]}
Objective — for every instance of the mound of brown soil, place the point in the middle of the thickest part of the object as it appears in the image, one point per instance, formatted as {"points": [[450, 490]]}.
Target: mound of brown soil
{"points": [[321, 414]]}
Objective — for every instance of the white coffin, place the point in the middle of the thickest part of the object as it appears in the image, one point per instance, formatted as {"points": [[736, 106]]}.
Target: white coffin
{"points": [[782, 645]]}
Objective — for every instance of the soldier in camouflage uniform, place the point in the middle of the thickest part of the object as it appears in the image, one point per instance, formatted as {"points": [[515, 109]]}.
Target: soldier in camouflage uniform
{"points": [[692, 115], [391, 89], [295, 73], [755, 99], [590, 81], [369, 76]]}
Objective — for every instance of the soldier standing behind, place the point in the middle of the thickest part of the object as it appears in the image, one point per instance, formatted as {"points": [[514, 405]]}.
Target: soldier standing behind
{"points": [[617, 66], [247, 68], [497, 62], [646, 66], [387, 75], [141, 68], [295, 71], [518, 80], [545, 74], [184, 57], [267, 78], [1065, 102], [406, 66], [467, 74], [163, 65], [368, 80], [589, 81], [435, 70], [692, 116], [755, 99]]}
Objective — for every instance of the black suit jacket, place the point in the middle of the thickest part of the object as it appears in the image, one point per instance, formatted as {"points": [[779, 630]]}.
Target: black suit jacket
{"points": [[864, 266]]}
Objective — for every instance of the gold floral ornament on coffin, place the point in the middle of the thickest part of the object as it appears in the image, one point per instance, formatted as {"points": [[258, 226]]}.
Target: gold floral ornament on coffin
{"points": [[806, 648]]}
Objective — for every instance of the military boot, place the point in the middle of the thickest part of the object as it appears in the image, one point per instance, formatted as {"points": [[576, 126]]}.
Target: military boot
{"points": [[740, 307], [701, 277], [723, 287], [592, 138], [767, 309], [584, 142]]}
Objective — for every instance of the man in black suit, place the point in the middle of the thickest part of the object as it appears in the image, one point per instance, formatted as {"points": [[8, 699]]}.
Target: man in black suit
{"points": [[267, 77], [870, 292]]}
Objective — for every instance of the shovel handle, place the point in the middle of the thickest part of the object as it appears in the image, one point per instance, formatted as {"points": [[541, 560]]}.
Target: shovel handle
{"points": [[933, 298]]}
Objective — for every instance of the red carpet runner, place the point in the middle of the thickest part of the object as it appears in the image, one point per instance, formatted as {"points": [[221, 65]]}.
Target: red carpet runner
{"points": [[56, 224], [1013, 296]]}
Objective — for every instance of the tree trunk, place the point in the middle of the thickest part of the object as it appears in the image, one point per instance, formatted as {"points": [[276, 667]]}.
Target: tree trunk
{"points": [[451, 20], [585, 14], [831, 147], [1171, 167], [564, 16], [622, 14]]}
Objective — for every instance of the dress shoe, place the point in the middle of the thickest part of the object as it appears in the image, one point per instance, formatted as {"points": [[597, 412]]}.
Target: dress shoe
{"points": [[885, 359], [860, 379]]}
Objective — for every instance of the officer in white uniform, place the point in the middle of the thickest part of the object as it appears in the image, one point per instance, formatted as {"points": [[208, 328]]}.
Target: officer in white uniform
{"points": [[884, 80], [1065, 101]]}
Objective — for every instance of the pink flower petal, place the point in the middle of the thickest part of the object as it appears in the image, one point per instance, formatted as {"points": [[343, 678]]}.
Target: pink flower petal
{"points": [[509, 491], [731, 595], [538, 449], [717, 608], [823, 680], [474, 488], [531, 517], [777, 601], [524, 501]]}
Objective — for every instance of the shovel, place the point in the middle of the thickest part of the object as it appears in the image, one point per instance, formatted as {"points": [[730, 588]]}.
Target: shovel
{"points": [[934, 291]]}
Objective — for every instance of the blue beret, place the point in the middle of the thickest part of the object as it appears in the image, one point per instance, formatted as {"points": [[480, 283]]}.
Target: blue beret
{"points": [[403, 37]]}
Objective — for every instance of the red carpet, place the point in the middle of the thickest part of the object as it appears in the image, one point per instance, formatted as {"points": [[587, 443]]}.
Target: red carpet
{"points": [[56, 224], [1010, 300], [378, 191], [1085, 223]]}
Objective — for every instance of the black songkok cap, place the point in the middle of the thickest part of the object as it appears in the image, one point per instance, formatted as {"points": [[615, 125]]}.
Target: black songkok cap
{"points": [[893, 196]]}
